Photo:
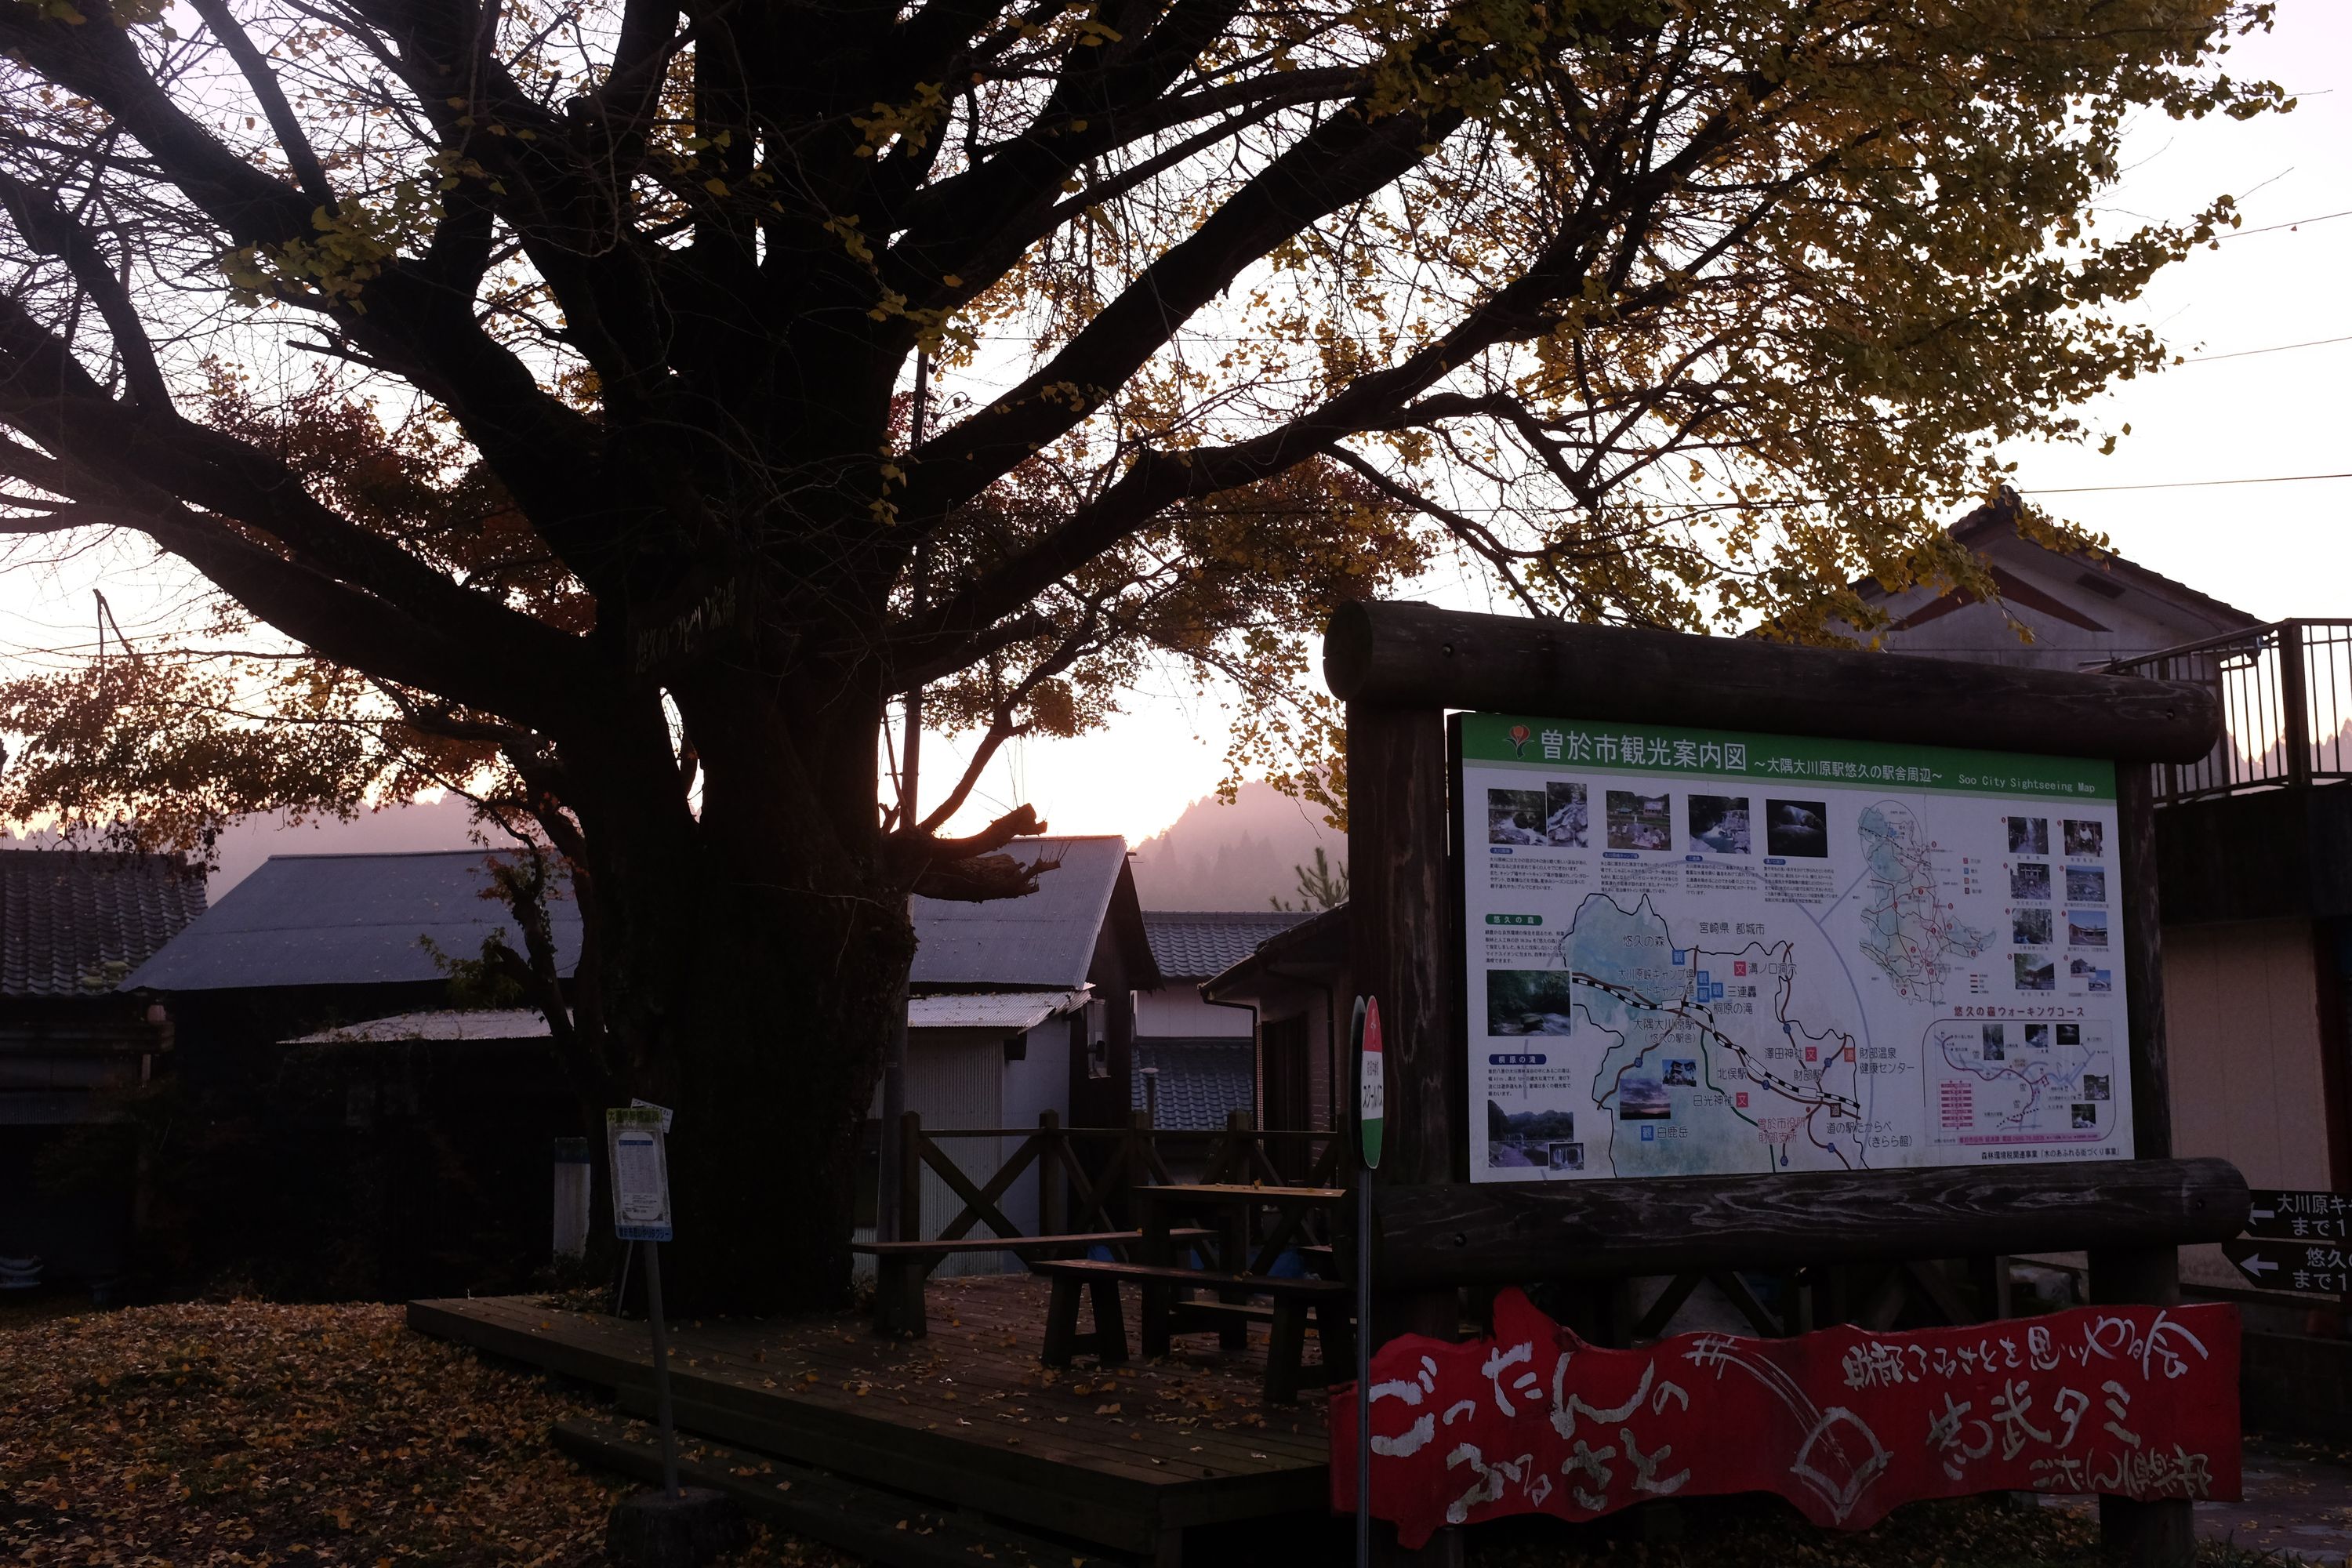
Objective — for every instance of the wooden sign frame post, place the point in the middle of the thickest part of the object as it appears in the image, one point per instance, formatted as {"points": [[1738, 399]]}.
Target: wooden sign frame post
{"points": [[1399, 668]]}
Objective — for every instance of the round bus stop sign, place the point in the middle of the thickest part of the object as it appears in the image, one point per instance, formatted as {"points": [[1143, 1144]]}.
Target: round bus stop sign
{"points": [[1372, 1080]]}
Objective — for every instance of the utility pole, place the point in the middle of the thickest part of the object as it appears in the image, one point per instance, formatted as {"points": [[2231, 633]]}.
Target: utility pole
{"points": [[910, 761]]}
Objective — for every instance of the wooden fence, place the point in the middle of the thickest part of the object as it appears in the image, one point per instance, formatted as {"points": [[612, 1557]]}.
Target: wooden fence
{"points": [[1085, 1175]]}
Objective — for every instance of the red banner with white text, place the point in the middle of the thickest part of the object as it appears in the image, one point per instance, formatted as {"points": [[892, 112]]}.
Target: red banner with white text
{"points": [[2138, 1402]]}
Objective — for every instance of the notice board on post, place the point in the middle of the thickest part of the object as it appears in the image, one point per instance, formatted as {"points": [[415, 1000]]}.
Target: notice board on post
{"points": [[1692, 951]]}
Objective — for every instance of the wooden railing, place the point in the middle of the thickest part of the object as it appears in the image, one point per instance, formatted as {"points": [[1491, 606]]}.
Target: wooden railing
{"points": [[1071, 1197]]}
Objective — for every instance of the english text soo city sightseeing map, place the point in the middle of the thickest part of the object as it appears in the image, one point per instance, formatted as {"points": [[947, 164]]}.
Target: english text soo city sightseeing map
{"points": [[1694, 951]]}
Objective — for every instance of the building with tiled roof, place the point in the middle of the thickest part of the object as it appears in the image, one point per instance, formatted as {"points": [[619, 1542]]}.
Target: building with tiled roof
{"points": [[73, 923], [1194, 1060], [2076, 610], [1193, 944]]}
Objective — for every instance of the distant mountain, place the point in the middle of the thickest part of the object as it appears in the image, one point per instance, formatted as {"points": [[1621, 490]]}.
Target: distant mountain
{"points": [[1237, 856], [246, 843]]}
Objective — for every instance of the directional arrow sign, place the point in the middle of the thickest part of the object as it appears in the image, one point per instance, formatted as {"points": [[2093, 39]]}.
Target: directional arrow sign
{"points": [[2313, 1269], [2300, 1216]]}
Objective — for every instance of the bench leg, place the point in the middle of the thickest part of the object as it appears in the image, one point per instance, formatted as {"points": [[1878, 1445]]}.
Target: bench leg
{"points": [[1157, 1310], [1111, 1328], [898, 1298], [1233, 1333], [1061, 1322], [1285, 1348]]}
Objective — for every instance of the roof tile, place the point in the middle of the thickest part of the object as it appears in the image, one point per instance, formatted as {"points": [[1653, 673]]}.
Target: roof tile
{"points": [[73, 923], [1193, 944]]}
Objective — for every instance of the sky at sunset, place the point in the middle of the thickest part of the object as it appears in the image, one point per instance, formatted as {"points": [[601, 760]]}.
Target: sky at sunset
{"points": [[2238, 413]]}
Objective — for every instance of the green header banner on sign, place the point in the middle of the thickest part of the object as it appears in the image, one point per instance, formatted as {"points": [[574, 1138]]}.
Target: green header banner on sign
{"points": [[1537, 742]]}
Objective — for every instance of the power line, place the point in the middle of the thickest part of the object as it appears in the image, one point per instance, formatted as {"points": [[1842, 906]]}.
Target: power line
{"points": [[2184, 484], [2280, 348], [2275, 228]]}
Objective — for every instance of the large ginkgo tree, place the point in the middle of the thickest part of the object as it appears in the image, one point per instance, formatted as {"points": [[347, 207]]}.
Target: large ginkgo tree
{"points": [[529, 390]]}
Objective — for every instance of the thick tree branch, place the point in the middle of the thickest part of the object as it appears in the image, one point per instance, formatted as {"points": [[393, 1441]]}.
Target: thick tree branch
{"points": [[50, 230], [309, 173], [1337, 165]]}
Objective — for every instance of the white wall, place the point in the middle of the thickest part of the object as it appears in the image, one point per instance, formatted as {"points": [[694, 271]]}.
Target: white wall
{"points": [[2242, 1027], [1176, 1011], [959, 1079]]}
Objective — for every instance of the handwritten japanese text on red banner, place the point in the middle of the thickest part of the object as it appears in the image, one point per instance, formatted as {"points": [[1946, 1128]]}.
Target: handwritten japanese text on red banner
{"points": [[2139, 1401]]}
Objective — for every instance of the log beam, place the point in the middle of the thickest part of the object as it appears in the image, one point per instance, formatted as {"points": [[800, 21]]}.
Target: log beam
{"points": [[1495, 1234], [1403, 656]]}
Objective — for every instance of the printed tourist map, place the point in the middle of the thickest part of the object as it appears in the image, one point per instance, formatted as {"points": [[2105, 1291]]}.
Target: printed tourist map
{"points": [[1694, 951]]}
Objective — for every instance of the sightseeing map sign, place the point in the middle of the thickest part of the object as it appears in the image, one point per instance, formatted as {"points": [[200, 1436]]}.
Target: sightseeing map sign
{"points": [[1696, 951]]}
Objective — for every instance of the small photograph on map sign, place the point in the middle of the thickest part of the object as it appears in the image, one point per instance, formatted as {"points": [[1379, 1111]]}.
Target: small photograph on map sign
{"points": [[2029, 879], [1515, 817], [2034, 972], [2085, 838], [1682, 1074], [1643, 1099], [1565, 816], [2087, 884], [2037, 1036], [1530, 1001], [1638, 821], [2086, 1115], [1718, 824], [2029, 836], [2094, 1086], [2029, 928], [2069, 1033], [1995, 1047], [1532, 1139], [2087, 928], [1799, 827]]}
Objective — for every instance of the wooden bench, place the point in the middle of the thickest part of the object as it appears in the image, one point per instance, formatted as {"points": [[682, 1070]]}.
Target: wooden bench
{"points": [[901, 1266], [1166, 1314]]}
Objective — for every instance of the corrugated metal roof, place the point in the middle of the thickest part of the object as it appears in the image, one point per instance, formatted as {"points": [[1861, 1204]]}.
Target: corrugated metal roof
{"points": [[486, 1024], [357, 920], [1045, 938], [1192, 944], [346, 919], [1200, 1082], [1011, 1011], [73, 923]]}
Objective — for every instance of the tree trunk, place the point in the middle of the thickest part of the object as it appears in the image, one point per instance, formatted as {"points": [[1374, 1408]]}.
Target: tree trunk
{"points": [[746, 965], [774, 1060]]}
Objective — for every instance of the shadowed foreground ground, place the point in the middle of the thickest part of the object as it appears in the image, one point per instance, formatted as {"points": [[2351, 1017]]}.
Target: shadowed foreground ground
{"points": [[252, 1433]]}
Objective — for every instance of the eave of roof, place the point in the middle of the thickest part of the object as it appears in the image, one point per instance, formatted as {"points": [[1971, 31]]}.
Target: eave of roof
{"points": [[1994, 520], [438, 1024], [1320, 941], [1010, 1011]]}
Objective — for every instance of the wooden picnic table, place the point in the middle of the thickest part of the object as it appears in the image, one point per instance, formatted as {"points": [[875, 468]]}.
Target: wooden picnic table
{"points": [[1232, 1210]]}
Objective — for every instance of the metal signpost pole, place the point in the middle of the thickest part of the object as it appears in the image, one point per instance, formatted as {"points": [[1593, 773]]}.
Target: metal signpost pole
{"points": [[661, 1370], [641, 1213], [1371, 1096]]}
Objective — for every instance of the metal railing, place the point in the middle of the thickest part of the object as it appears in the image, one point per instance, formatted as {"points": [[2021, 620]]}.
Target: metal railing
{"points": [[2285, 691]]}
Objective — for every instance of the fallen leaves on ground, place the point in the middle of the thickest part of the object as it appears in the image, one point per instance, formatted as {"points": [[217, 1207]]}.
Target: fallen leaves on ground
{"points": [[252, 1433]]}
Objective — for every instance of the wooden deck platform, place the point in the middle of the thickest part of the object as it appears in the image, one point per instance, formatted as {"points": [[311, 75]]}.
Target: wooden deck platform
{"points": [[1129, 1458]]}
